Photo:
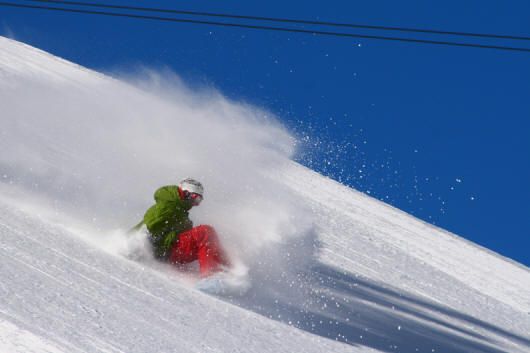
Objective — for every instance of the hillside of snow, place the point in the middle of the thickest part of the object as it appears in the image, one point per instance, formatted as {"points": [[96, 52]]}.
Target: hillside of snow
{"points": [[320, 267]]}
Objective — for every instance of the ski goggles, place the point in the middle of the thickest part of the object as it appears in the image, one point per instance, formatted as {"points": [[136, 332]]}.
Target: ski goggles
{"points": [[193, 197]]}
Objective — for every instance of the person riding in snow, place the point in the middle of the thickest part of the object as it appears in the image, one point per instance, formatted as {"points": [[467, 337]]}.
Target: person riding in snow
{"points": [[171, 232]]}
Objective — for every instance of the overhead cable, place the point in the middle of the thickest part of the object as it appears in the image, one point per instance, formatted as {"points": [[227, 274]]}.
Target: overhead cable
{"points": [[261, 27], [284, 20]]}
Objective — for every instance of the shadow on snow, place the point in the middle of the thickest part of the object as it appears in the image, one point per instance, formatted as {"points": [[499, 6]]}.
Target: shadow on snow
{"points": [[300, 291]]}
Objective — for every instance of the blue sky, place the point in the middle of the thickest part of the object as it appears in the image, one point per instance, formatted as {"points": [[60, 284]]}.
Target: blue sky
{"points": [[440, 132]]}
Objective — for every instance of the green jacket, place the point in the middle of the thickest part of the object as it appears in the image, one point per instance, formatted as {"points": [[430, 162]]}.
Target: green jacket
{"points": [[166, 219]]}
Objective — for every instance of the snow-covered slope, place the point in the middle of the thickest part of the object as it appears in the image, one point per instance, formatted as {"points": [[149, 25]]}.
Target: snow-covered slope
{"points": [[329, 269]]}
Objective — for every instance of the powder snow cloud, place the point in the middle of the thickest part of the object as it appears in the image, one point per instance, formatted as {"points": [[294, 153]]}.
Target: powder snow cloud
{"points": [[94, 149]]}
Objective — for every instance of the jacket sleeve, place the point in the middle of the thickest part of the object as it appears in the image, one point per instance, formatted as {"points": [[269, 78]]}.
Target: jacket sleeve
{"points": [[160, 193], [166, 193]]}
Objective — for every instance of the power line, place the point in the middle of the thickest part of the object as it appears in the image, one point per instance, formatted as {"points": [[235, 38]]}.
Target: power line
{"points": [[269, 28], [286, 20]]}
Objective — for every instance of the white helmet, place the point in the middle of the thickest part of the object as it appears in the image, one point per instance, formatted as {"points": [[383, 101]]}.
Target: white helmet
{"points": [[192, 190]]}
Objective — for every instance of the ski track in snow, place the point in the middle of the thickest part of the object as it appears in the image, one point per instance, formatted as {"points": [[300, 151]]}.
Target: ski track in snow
{"points": [[81, 299], [366, 277], [14, 339]]}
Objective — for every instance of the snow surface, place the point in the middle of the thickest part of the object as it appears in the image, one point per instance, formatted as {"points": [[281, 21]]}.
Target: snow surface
{"points": [[323, 268]]}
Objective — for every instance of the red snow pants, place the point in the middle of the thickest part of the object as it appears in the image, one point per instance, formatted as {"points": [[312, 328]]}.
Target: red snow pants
{"points": [[200, 243]]}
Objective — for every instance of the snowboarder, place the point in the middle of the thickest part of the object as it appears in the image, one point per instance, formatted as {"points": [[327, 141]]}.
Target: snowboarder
{"points": [[171, 232]]}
